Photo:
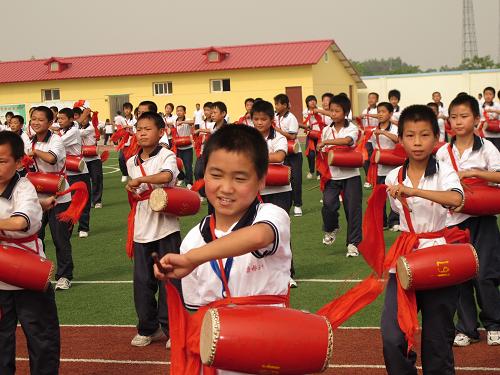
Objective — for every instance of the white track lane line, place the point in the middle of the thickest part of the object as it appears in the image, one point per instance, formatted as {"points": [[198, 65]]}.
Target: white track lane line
{"points": [[328, 281]]}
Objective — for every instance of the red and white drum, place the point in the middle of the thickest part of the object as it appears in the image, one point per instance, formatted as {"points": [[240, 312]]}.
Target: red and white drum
{"points": [[293, 146], [437, 267], [389, 157], [182, 141], [314, 134], [89, 151], [24, 269], [278, 175], [347, 158], [75, 163], [492, 126], [175, 201], [481, 200], [46, 183], [265, 340]]}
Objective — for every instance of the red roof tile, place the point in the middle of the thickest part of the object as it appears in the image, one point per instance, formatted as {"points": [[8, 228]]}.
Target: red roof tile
{"points": [[167, 62]]}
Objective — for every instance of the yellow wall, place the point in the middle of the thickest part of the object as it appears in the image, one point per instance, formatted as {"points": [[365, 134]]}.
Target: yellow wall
{"points": [[331, 76], [188, 88]]}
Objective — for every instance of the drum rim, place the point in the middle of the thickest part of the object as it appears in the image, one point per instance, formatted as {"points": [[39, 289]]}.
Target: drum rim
{"points": [[214, 317], [407, 269], [476, 258], [331, 156], [156, 192], [51, 273], [329, 351]]}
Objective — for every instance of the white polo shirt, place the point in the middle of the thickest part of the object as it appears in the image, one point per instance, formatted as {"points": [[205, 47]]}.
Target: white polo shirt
{"points": [[20, 199], [276, 142], [370, 121], [72, 141], [426, 216], [262, 272], [109, 128], [183, 130], [483, 155], [312, 122], [289, 124], [206, 125], [327, 120], [492, 116], [52, 144], [198, 116], [26, 140], [396, 114], [442, 129], [386, 144], [351, 131], [150, 226]]}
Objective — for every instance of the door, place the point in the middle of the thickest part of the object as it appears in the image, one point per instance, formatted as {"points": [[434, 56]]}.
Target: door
{"points": [[116, 104], [294, 93]]}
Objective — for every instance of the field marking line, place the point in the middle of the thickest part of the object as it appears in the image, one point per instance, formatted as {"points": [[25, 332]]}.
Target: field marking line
{"points": [[331, 281], [489, 369], [115, 169]]}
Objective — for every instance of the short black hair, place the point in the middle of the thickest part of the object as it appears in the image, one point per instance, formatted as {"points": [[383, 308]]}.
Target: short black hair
{"points": [[19, 117], [171, 105], [183, 107], [9, 113], [48, 113], [54, 108], [374, 93], [152, 107], [78, 110], [221, 106], [394, 93], [343, 101], [262, 106], [249, 100], [466, 99], [128, 105], [240, 139], [433, 104], [387, 105], [489, 88], [418, 112], [311, 97], [68, 112], [327, 94], [282, 99], [208, 105], [153, 116], [16, 143]]}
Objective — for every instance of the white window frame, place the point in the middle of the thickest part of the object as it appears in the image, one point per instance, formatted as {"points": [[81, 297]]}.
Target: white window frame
{"points": [[221, 83], [54, 66], [213, 56], [52, 98], [167, 88], [326, 58]]}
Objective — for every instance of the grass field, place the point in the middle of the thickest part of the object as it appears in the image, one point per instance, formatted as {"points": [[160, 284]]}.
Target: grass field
{"points": [[102, 289]]}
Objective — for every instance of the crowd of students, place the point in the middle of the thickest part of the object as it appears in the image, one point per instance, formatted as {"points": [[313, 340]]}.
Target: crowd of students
{"points": [[243, 248]]}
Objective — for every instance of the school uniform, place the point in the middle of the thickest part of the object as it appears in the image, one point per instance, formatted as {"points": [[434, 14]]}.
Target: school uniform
{"points": [[185, 152], [312, 121], [122, 121], [198, 166], [437, 305], [369, 122], [60, 230], [490, 136], [281, 196], [72, 141], [109, 129], [485, 237], [385, 143], [396, 114], [35, 311], [153, 232], [288, 123], [198, 116], [246, 120], [94, 165], [346, 180]]}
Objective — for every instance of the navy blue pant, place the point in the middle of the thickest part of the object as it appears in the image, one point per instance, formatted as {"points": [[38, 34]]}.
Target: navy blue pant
{"points": [[122, 164], [393, 218], [294, 161], [187, 159], [96, 180], [283, 199]]}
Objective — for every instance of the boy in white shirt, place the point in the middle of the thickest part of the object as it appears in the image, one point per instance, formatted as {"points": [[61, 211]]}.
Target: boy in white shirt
{"points": [[312, 121], [198, 115], [246, 119], [109, 129], [394, 97], [16, 125], [183, 128], [369, 117], [491, 109]]}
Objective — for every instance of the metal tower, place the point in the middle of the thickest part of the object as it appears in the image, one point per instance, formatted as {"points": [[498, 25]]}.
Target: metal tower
{"points": [[469, 41]]}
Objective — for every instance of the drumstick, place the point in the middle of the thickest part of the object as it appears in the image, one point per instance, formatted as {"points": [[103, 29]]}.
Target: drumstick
{"points": [[156, 259]]}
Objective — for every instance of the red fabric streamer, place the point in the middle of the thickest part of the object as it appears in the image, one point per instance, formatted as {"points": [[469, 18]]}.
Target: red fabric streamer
{"points": [[79, 199], [132, 149], [27, 162], [323, 169], [104, 156], [95, 123], [118, 135], [198, 185]]}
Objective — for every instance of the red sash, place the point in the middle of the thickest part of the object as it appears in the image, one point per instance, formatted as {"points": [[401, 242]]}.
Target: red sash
{"points": [[321, 124]]}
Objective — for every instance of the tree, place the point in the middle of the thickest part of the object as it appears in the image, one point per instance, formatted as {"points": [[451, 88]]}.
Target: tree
{"points": [[392, 65], [475, 63]]}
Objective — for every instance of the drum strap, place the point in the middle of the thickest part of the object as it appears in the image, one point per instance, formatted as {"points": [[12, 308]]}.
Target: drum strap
{"points": [[452, 157], [405, 203], [22, 241], [222, 272]]}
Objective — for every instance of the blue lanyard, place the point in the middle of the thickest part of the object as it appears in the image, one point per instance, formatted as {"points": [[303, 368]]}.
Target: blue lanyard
{"points": [[227, 270]]}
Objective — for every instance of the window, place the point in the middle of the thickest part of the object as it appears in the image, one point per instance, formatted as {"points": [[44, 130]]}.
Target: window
{"points": [[213, 56], [50, 94], [162, 88], [54, 66], [220, 85], [325, 57]]}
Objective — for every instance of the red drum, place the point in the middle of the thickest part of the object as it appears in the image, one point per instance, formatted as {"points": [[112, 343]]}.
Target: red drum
{"points": [[180, 164], [293, 146], [492, 126], [46, 182], [261, 340], [278, 175], [75, 163], [481, 200], [314, 134], [175, 201], [89, 151], [437, 147], [182, 141], [345, 158], [389, 157], [24, 269], [438, 266]]}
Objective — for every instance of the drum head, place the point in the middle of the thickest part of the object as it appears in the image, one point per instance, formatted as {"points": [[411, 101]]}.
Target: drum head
{"points": [[209, 335], [61, 184], [158, 200], [377, 156], [81, 165], [404, 273]]}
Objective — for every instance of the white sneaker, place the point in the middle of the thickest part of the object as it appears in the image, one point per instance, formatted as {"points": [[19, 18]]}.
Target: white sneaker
{"points": [[352, 251], [367, 185], [140, 340], [321, 201], [189, 186], [292, 283], [318, 178], [178, 183], [202, 199], [395, 228], [297, 211], [124, 178], [98, 205], [309, 176], [493, 338], [83, 234], [168, 345], [63, 284], [462, 339], [329, 237]]}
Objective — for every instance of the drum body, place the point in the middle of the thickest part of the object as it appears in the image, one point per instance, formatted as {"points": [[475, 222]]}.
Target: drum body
{"points": [[345, 158], [261, 340], [314, 134], [389, 157], [46, 183], [481, 200], [175, 201], [24, 269], [89, 151], [278, 175], [293, 146], [180, 164], [75, 163], [182, 141], [437, 267], [492, 126]]}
